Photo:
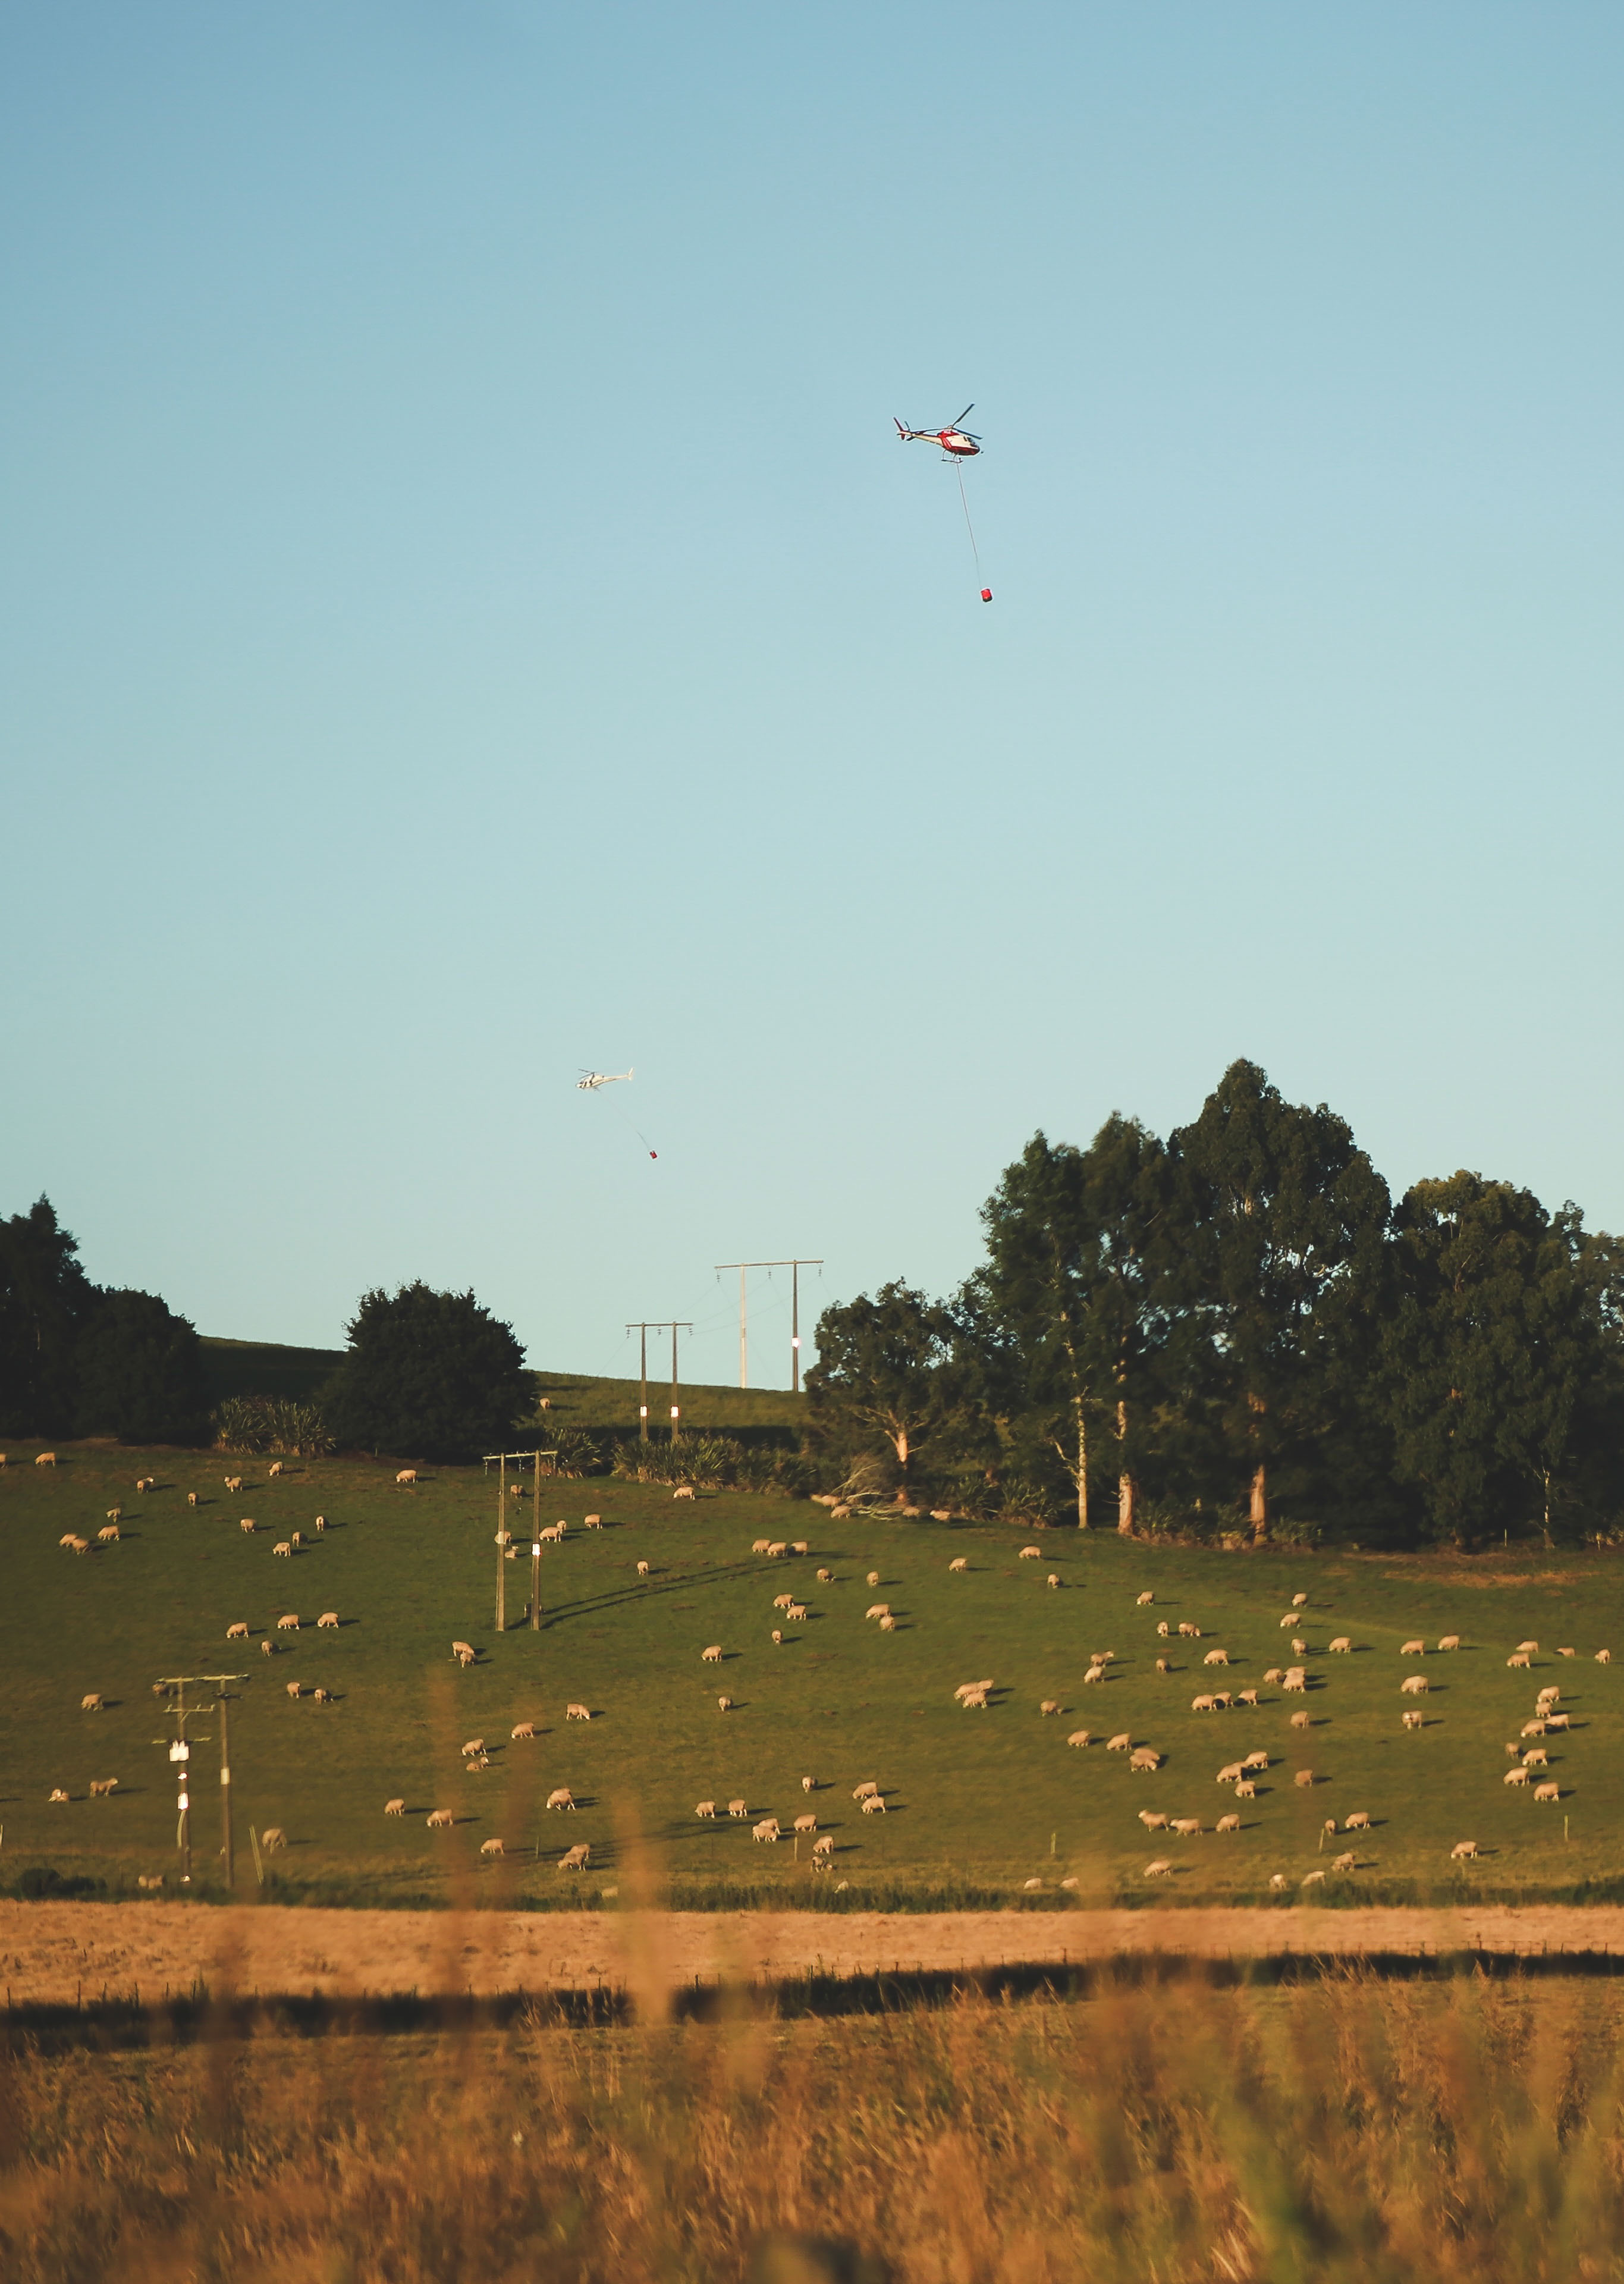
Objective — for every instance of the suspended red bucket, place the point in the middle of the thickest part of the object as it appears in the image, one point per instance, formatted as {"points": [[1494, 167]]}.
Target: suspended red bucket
{"points": [[986, 594]]}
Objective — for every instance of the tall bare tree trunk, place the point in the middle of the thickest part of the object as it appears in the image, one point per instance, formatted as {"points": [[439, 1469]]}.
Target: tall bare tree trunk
{"points": [[1082, 1466], [1259, 1516], [1128, 1490]]}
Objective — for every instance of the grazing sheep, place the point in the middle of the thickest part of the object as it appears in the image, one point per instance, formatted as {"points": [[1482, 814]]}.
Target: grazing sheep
{"points": [[825, 1577], [152, 1880], [396, 1807], [1536, 1758], [1187, 1632], [877, 1610], [1604, 1657], [288, 1624], [1549, 1696], [1299, 1648], [325, 1697], [1079, 1737], [1272, 1677], [1094, 1673], [738, 1808], [888, 1625], [76, 1546], [1414, 1720], [574, 1712], [1161, 1869], [273, 1838], [1295, 1684], [682, 1491], [1290, 1619], [562, 1797], [1518, 1658], [283, 1546], [92, 1702], [958, 1563], [329, 1618], [1187, 1827], [1532, 1648], [407, 1475], [643, 1569], [115, 1515], [107, 1534], [711, 1654], [490, 1848], [1348, 1862], [295, 1688], [464, 1653], [575, 1858], [706, 1810], [1152, 1819], [1053, 1578], [237, 1633], [1278, 1881], [1450, 1642], [1247, 1697], [1203, 1704], [1414, 1685], [57, 1796], [1122, 1742], [823, 1848], [1548, 1792], [102, 1787], [760, 1545], [724, 1705], [866, 1790], [1227, 1823], [1163, 1630], [1515, 1777], [1304, 1780], [233, 1482], [1342, 1646], [275, 1469], [1229, 1774], [1142, 1601], [1330, 1825], [1559, 1720], [805, 1824], [246, 1526], [1162, 1666], [1412, 1650], [873, 1805], [1462, 1849], [268, 1649], [1216, 1657], [1245, 1789], [45, 1459], [474, 1745], [1511, 1751], [1314, 1880], [799, 1546], [1299, 1601], [592, 1522], [1144, 1761], [1258, 1760], [796, 1613], [522, 1729], [1031, 1553], [777, 1638], [1359, 1821], [782, 1601], [766, 1830], [1301, 1720], [873, 1577], [808, 1784]]}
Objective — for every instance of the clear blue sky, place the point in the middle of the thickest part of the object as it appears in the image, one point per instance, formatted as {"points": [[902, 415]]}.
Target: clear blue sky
{"points": [[467, 616]]}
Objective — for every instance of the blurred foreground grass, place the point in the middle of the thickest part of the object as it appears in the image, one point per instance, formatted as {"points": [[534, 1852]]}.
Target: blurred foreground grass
{"points": [[1348, 2130]]}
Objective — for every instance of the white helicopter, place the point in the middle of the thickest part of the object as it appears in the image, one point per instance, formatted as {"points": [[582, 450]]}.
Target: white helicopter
{"points": [[589, 1079], [956, 442]]}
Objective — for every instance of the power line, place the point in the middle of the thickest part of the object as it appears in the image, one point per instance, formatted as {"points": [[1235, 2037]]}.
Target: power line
{"points": [[795, 1267]]}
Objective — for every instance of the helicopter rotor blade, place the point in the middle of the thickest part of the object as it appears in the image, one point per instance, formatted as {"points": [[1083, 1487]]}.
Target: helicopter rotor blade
{"points": [[963, 415]]}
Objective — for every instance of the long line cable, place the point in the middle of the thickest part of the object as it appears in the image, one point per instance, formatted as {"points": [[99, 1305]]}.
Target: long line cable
{"points": [[986, 592]]}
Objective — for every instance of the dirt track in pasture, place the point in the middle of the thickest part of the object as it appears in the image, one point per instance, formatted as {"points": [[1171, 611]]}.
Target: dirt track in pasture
{"points": [[51, 1954]]}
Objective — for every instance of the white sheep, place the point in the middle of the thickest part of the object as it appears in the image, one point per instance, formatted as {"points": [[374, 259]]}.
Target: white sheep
{"points": [[1049, 1705], [1231, 1773], [1414, 1685], [328, 1619], [108, 1534], [1144, 1761], [1299, 1601], [1161, 1869], [823, 1848], [766, 1830], [706, 1810], [1203, 1704], [796, 1613], [577, 1712], [1301, 1720], [1462, 1849], [407, 1475], [1548, 1792], [1079, 1737], [283, 1546], [236, 1632], [92, 1703], [1227, 1823], [1348, 1862], [1604, 1657], [1536, 1758], [877, 1610], [1216, 1657], [1359, 1821], [1142, 1601], [805, 1824], [866, 1790], [888, 1625], [1187, 1827], [738, 1808], [1415, 1720], [1515, 1777], [1245, 1789], [1342, 1645], [808, 1784], [873, 1805], [491, 1847], [1031, 1553], [563, 1798], [1122, 1742], [1278, 1881], [724, 1705], [396, 1807], [1304, 1780], [575, 1858], [247, 1526], [288, 1623], [682, 1491], [273, 1838], [1450, 1642], [712, 1654]]}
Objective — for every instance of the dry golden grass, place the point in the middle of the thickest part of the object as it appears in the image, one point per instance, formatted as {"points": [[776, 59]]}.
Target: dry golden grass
{"points": [[1347, 2131]]}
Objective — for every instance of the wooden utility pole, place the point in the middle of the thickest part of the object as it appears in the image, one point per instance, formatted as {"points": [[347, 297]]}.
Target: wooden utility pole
{"points": [[794, 1268], [180, 1754], [536, 1552], [504, 1536], [642, 1328]]}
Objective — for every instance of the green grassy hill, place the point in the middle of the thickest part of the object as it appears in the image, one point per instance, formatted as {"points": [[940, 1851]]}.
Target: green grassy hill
{"points": [[990, 1799], [574, 1399]]}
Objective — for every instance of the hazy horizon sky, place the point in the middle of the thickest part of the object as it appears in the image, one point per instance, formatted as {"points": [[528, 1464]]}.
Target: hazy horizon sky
{"points": [[467, 617]]}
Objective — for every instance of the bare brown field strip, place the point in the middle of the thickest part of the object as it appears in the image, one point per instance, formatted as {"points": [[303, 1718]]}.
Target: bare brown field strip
{"points": [[51, 1954]]}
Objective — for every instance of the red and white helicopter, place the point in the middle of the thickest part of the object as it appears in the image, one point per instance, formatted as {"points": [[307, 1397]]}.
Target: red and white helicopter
{"points": [[956, 442]]}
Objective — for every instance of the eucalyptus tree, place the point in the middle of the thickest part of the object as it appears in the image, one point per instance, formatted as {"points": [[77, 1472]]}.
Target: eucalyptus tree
{"points": [[1285, 1227], [1067, 1300], [1504, 1322], [893, 1372], [45, 1298]]}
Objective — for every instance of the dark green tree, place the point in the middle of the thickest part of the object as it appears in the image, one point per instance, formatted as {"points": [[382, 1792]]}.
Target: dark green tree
{"points": [[1067, 1300], [1497, 1341], [429, 1375], [140, 1370], [891, 1378], [1286, 1223], [45, 1298]]}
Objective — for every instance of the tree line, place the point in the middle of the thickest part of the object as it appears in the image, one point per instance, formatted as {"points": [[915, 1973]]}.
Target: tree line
{"points": [[426, 1374], [1238, 1332]]}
